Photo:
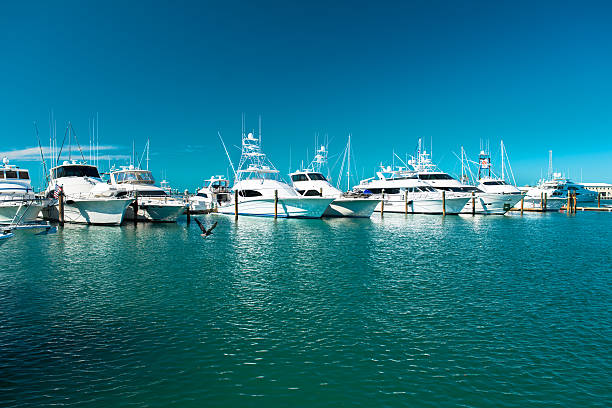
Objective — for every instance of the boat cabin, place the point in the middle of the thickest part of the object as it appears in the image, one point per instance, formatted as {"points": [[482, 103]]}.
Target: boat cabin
{"points": [[74, 170], [132, 176], [12, 172]]}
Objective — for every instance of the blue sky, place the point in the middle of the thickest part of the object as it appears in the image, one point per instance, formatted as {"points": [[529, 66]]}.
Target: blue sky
{"points": [[535, 74]]}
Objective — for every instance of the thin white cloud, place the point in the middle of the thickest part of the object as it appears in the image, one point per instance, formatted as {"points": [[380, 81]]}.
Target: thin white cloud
{"points": [[33, 153]]}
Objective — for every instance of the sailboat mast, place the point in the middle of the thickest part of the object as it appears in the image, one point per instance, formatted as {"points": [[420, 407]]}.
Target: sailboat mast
{"points": [[69, 143], [348, 169]]}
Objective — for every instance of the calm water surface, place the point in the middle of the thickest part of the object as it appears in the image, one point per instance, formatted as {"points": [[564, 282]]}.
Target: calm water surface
{"points": [[418, 311]]}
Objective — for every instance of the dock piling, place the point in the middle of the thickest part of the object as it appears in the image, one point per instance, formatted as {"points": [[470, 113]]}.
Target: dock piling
{"points": [[443, 202], [236, 204], [60, 207], [598, 200], [522, 204], [382, 203], [473, 203], [545, 201], [275, 204], [406, 202], [135, 207]]}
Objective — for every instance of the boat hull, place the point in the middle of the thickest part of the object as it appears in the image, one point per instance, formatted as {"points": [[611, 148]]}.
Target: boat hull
{"points": [[19, 212], [351, 207], [90, 211], [453, 206], [155, 212], [492, 204], [5, 237], [535, 203], [311, 207]]}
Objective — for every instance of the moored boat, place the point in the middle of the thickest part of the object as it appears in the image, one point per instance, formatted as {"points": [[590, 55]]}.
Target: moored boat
{"points": [[88, 200]]}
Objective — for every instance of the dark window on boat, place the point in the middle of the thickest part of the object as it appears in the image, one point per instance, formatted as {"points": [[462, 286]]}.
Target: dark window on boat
{"points": [[76, 171], [24, 175], [1, 174], [493, 183], [249, 193], [152, 193], [435, 177], [373, 191], [316, 176], [392, 190], [10, 174], [299, 177], [312, 193], [202, 195]]}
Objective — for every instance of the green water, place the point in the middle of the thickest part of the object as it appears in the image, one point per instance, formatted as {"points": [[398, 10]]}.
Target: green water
{"points": [[417, 311]]}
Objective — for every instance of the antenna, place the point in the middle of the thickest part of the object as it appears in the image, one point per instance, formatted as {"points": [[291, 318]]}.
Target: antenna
{"points": [[148, 146], [259, 129]]}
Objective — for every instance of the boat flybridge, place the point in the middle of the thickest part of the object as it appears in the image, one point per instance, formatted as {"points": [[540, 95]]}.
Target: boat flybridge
{"points": [[89, 200], [402, 191], [312, 183], [215, 192], [489, 184], [18, 203], [257, 187], [485, 202], [154, 204]]}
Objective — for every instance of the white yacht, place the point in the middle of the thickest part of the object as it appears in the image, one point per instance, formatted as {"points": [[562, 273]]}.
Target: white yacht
{"points": [[88, 200], [312, 183], [489, 184], [18, 203], [214, 193], [258, 187], [401, 191], [154, 204], [560, 186], [486, 203]]}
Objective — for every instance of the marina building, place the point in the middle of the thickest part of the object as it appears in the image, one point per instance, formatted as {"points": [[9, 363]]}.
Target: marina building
{"points": [[604, 188]]}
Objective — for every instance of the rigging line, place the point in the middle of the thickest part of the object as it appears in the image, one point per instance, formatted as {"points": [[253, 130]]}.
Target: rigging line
{"points": [[62, 146], [228, 156], [42, 156], [78, 144]]}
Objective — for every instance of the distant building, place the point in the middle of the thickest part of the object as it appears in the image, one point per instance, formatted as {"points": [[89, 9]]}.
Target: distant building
{"points": [[604, 188]]}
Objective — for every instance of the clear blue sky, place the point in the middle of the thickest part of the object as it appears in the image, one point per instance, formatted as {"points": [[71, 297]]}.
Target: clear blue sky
{"points": [[537, 74]]}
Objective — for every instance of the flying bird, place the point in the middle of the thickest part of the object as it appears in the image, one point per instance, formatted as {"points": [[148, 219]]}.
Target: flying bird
{"points": [[205, 232]]}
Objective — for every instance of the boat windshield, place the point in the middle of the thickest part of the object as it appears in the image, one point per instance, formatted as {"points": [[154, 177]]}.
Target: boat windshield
{"points": [[317, 176], [136, 177], [435, 176], [494, 183], [75, 170], [13, 174], [299, 177]]}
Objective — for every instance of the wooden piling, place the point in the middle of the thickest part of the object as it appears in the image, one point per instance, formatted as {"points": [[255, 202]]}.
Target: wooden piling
{"points": [[522, 204], [443, 202], [598, 200], [236, 204], [135, 207], [473, 203], [568, 205], [575, 203], [542, 201], [60, 207], [545, 201], [406, 202], [382, 203], [275, 204]]}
